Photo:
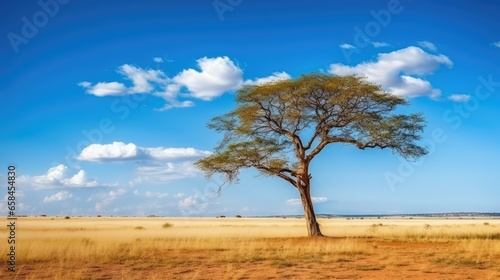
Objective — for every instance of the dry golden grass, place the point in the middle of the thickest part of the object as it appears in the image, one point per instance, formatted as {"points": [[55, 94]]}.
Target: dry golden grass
{"points": [[252, 248]]}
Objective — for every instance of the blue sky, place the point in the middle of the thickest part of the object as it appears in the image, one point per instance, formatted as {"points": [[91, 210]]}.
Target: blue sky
{"points": [[105, 105]]}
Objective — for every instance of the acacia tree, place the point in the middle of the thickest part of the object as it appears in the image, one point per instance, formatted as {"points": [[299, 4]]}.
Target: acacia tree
{"points": [[279, 128]]}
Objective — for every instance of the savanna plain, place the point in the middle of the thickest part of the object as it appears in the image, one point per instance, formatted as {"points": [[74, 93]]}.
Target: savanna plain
{"points": [[254, 248]]}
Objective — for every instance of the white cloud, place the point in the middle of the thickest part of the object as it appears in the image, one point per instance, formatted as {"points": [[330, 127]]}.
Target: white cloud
{"points": [[217, 76], [189, 201], [428, 45], [153, 165], [459, 97], [58, 177], [80, 179], [115, 151], [170, 94], [104, 199], [394, 71], [142, 79], [275, 77], [161, 172], [496, 44], [162, 153], [54, 174], [379, 44], [104, 89], [60, 196], [142, 82], [197, 204], [346, 46], [149, 194], [294, 201], [176, 104], [319, 199], [119, 151], [297, 201]]}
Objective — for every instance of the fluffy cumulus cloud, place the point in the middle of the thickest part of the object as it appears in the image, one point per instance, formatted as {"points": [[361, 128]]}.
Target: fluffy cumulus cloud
{"points": [[60, 196], [428, 45], [143, 81], [60, 177], [119, 151], [104, 88], [399, 72], [275, 77], [153, 165], [459, 97], [214, 77], [110, 152], [297, 201]]}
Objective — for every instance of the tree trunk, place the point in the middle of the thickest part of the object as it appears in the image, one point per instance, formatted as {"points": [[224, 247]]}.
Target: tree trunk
{"points": [[312, 224]]}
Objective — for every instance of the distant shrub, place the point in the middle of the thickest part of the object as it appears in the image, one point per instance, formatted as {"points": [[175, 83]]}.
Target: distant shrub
{"points": [[426, 226], [67, 217], [167, 225], [139, 228], [98, 216], [486, 224], [238, 216], [221, 216]]}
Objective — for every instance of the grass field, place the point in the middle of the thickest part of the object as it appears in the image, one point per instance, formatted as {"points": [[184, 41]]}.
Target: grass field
{"points": [[253, 248]]}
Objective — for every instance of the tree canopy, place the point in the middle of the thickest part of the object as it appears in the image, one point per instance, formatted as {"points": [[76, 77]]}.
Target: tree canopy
{"points": [[280, 127]]}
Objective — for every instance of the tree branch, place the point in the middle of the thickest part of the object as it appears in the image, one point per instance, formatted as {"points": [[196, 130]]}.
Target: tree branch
{"points": [[278, 173]]}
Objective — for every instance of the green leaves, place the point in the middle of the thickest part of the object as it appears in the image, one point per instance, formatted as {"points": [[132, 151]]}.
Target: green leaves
{"points": [[258, 152], [279, 126]]}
